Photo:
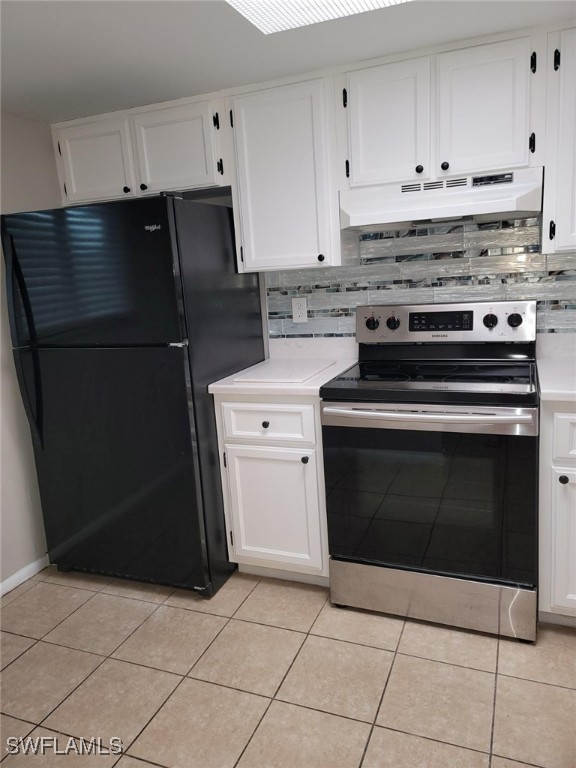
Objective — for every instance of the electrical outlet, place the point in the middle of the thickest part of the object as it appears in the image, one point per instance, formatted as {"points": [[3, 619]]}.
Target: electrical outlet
{"points": [[299, 310]]}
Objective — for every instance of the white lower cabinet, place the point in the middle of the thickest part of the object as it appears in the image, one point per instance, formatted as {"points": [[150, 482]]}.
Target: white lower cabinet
{"points": [[273, 482], [563, 597], [558, 509], [274, 505]]}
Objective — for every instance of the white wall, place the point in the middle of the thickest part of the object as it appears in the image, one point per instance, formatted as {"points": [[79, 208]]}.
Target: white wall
{"points": [[28, 182]]}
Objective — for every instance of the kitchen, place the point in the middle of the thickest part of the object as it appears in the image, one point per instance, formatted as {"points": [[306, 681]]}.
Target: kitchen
{"points": [[512, 260]]}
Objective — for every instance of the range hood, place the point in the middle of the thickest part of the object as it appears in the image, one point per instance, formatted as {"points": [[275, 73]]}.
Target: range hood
{"points": [[517, 193]]}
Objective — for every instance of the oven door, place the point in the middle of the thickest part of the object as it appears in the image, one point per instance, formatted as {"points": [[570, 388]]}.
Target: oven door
{"points": [[447, 490]]}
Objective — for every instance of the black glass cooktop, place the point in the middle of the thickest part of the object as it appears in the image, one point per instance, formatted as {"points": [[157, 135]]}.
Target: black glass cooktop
{"points": [[414, 381]]}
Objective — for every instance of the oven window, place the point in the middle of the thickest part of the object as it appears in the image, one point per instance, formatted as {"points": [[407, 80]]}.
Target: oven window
{"points": [[440, 502]]}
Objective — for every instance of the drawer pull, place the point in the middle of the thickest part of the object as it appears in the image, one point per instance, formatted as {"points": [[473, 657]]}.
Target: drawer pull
{"points": [[265, 424], [564, 479], [305, 459]]}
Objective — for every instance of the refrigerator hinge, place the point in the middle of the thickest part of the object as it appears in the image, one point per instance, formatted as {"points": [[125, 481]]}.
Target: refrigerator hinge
{"points": [[179, 343]]}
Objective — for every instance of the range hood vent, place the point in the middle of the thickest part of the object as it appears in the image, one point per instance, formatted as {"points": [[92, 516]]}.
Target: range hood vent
{"points": [[518, 193]]}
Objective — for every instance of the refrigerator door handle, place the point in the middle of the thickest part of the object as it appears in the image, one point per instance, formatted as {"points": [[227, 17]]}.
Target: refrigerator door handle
{"points": [[36, 419], [15, 281]]}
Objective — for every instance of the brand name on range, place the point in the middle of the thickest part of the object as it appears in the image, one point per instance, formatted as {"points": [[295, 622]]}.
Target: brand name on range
{"points": [[152, 227], [439, 335]]}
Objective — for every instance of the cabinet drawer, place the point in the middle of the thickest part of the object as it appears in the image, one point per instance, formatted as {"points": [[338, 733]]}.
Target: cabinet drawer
{"points": [[269, 422], [564, 437]]}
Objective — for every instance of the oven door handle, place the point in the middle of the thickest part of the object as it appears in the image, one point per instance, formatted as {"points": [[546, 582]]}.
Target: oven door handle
{"points": [[523, 423], [446, 418]]}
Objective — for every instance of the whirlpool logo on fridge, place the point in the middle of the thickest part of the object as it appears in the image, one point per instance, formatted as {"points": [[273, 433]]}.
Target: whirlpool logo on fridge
{"points": [[152, 227]]}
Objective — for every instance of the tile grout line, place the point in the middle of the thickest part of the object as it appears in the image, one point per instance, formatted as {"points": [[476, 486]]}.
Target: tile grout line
{"points": [[494, 704], [102, 656], [184, 677], [273, 699], [382, 696]]}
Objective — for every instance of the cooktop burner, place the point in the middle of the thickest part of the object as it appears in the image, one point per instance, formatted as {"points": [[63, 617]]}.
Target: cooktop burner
{"points": [[428, 354]]}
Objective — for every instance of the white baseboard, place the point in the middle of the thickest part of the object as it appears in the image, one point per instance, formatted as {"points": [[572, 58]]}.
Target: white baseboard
{"points": [[23, 575], [545, 617], [276, 573]]}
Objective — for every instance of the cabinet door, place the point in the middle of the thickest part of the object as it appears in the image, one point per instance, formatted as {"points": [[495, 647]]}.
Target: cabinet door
{"points": [[97, 161], [566, 157], [483, 108], [176, 148], [389, 123], [274, 505], [564, 541], [281, 155]]}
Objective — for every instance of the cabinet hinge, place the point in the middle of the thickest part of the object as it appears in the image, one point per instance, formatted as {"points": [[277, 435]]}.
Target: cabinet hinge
{"points": [[552, 230], [556, 60], [533, 61], [220, 166], [532, 142], [224, 458], [231, 538], [347, 168], [65, 190], [216, 121], [241, 254], [231, 119], [344, 98], [59, 150]]}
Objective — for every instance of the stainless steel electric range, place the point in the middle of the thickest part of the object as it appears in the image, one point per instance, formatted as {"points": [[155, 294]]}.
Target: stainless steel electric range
{"points": [[431, 466]]}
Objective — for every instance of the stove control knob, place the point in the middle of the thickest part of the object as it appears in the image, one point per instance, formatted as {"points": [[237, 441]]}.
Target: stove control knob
{"points": [[393, 322], [514, 320], [372, 323], [490, 321]]}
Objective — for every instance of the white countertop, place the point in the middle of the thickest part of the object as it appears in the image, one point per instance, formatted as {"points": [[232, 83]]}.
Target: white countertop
{"points": [[283, 376], [556, 360]]}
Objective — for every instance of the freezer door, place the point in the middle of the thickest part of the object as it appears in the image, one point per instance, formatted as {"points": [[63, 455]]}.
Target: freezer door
{"points": [[94, 275], [117, 466]]}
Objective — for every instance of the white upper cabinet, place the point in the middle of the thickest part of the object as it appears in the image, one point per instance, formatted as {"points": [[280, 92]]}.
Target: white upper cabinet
{"points": [[96, 161], [389, 122], [175, 148], [465, 111], [282, 177], [483, 108], [169, 149], [559, 220]]}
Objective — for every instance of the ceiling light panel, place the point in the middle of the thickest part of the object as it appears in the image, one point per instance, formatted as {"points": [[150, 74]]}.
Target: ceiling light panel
{"points": [[279, 15]]}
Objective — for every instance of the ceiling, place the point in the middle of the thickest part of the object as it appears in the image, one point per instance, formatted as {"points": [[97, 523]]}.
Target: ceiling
{"points": [[67, 59]]}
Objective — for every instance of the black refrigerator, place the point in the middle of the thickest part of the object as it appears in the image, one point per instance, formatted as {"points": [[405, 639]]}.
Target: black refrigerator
{"points": [[121, 314]]}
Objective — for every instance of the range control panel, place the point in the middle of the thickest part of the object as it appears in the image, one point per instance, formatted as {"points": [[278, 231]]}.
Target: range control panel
{"points": [[482, 321]]}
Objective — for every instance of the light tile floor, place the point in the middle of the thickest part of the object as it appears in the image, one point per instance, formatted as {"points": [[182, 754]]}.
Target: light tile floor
{"points": [[268, 674]]}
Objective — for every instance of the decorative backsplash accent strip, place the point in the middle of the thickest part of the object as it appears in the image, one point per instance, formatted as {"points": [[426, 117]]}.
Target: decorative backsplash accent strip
{"points": [[448, 262]]}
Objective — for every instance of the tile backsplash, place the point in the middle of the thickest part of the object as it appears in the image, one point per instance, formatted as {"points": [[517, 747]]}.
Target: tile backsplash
{"points": [[451, 261]]}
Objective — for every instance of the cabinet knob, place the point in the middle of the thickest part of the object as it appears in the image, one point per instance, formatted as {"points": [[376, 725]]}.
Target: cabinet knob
{"points": [[564, 479], [305, 459], [419, 168], [143, 187], [265, 424], [126, 190], [321, 257], [445, 166]]}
